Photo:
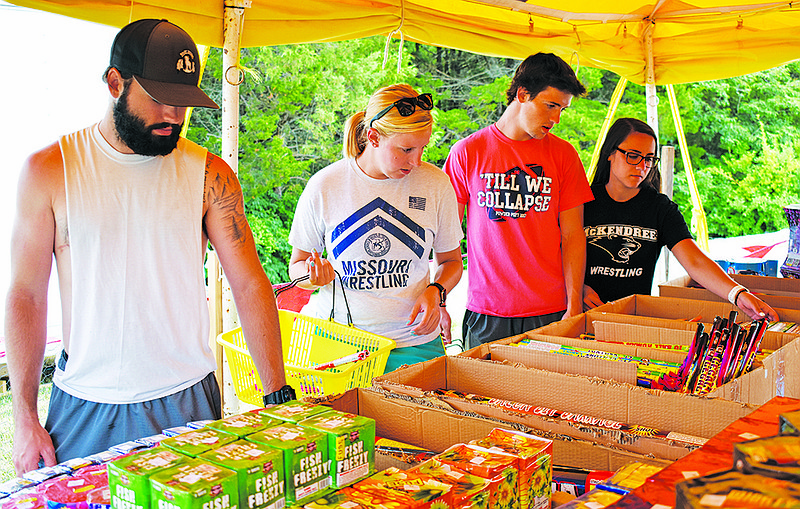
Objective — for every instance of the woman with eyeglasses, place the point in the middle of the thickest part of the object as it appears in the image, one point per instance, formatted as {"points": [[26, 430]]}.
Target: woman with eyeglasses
{"points": [[374, 218], [629, 220]]}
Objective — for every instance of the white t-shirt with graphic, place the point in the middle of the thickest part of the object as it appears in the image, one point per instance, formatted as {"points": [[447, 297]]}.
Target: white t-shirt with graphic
{"points": [[378, 234]]}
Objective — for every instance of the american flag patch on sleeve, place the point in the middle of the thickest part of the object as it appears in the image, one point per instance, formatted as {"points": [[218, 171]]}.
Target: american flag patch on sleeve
{"points": [[416, 202]]}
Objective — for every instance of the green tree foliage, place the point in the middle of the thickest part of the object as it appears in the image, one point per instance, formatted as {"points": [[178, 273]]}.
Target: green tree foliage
{"points": [[295, 99]]}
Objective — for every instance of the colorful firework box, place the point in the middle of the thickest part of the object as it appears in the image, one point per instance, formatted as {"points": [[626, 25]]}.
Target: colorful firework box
{"points": [[245, 424], [259, 470], [736, 489], [196, 484], [306, 465], [293, 411], [534, 463], [196, 442], [469, 491], [497, 467], [777, 456], [351, 444], [789, 423], [129, 476], [405, 454], [406, 489]]}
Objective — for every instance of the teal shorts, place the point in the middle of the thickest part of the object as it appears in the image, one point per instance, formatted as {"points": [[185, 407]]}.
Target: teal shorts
{"points": [[415, 354]]}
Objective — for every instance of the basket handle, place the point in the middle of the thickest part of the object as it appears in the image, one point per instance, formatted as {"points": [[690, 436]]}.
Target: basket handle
{"points": [[294, 282]]}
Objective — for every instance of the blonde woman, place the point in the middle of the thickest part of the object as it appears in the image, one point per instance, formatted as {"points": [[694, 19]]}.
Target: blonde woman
{"points": [[376, 217]]}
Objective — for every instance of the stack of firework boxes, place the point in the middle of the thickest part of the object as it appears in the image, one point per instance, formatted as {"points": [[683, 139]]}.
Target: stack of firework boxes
{"points": [[272, 458]]}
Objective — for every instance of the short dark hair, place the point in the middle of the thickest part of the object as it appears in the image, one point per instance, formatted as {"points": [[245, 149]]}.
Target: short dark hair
{"points": [[543, 70], [618, 133]]}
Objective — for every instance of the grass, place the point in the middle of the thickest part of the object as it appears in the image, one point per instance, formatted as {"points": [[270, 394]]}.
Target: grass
{"points": [[7, 428]]}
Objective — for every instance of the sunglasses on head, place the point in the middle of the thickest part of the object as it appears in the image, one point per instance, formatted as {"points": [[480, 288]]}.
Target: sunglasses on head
{"points": [[406, 106]]}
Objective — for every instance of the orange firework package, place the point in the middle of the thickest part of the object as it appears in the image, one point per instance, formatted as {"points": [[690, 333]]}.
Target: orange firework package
{"points": [[534, 462], [777, 456], [350, 498], [407, 489], [500, 468], [736, 489], [469, 491]]}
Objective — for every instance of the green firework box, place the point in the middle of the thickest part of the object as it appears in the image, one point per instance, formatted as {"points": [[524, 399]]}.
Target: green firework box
{"points": [[244, 424], [293, 411], [196, 484], [259, 470], [351, 444], [196, 442], [306, 466], [534, 462], [129, 476]]}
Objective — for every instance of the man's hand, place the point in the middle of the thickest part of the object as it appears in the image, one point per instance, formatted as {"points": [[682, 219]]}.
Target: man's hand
{"points": [[32, 443], [427, 304], [445, 324], [590, 298]]}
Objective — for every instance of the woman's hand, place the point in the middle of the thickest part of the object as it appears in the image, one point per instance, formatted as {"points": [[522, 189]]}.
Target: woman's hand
{"points": [[590, 298], [755, 308], [427, 304], [320, 270]]}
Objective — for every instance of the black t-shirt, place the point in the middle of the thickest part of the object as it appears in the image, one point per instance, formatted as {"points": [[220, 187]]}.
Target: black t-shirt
{"points": [[624, 239]]}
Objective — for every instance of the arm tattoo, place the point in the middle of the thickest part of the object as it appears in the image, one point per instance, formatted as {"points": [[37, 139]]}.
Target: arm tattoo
{"points": [[224, 195]]}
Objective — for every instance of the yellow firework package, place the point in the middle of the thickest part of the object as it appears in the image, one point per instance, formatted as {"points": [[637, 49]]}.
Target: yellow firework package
{"points": [[497, 467], [406, 489], [469, 491], [534, 462]]}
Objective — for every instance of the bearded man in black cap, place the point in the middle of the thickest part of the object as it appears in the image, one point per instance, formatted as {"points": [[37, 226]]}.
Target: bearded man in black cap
{"points": [[127, 208]]}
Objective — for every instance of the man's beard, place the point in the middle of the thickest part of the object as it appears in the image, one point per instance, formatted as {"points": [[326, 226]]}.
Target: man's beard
{"points": [[138, 137]]}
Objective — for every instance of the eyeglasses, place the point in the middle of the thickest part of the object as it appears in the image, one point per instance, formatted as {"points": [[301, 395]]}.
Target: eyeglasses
{"points": [[406, 106], [633, 158]]}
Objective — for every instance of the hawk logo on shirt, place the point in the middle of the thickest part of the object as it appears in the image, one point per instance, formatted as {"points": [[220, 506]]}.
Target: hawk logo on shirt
{"points": [[619, 248], [516, 192]]}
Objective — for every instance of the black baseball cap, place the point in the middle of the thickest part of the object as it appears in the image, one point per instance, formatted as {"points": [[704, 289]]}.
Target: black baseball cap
{"points": [[163, 58]]}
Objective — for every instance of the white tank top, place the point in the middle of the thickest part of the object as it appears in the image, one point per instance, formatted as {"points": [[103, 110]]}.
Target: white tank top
{"points": [[140, 325]]}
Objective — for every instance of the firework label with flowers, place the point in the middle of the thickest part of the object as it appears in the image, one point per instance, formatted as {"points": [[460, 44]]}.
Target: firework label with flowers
{"points": [[196, 484], [534, 462], [306, 463], [407, 489], [129, 476], [351, 444], [469, 491], [259, 470], [498, 467]]}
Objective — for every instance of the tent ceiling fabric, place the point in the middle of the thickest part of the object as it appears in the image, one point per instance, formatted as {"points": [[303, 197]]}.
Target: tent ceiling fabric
{"points": [[704, 40]]}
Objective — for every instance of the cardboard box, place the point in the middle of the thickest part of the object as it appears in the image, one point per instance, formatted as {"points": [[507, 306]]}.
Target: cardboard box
{"points": [[591, 407], [407, 419], [778, 292], [778, 376]]}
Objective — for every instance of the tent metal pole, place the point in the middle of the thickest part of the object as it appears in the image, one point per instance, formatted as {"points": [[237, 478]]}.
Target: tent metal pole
{"points": [[612, 110], [231, 79], [650, 80]]}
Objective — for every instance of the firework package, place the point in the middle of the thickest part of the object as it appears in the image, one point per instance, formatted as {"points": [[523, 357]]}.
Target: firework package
{"points": [[129, 476], [736, 489], [306, 462], [351, 444], [777, 456], [259, 471], [716, 357], [195, 484]]}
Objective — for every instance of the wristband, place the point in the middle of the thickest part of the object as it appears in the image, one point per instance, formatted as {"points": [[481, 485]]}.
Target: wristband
{"points": [[442, 293], [735, 292]]}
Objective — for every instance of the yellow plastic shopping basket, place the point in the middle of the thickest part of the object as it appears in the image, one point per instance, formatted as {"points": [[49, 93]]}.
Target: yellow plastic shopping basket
{"points": [[309, 342]]}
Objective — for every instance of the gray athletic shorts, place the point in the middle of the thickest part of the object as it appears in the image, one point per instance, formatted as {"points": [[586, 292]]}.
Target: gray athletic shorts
{"points": [[80, 428], [478, 328]]}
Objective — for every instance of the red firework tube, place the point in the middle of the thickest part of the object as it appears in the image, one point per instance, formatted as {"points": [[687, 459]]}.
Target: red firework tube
{"points": [[687, 362], [736, 351], [526, 409], [705, 362]]}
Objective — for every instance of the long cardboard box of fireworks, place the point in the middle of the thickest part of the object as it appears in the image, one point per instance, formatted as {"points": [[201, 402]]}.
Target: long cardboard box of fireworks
{"points": [[650, 342], [778, 292], [594, 423]]}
